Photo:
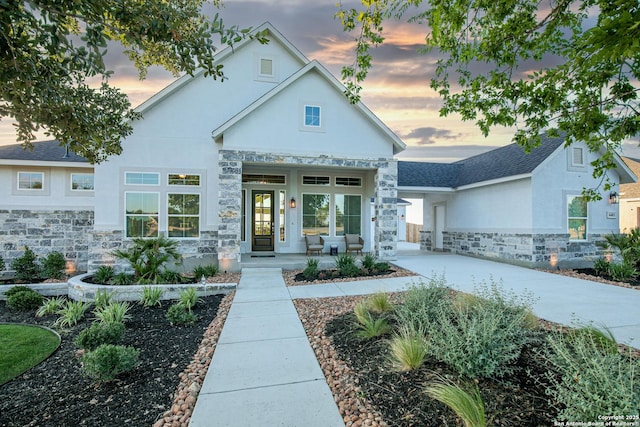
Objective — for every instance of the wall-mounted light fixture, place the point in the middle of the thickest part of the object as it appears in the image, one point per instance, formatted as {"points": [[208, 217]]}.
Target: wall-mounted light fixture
{"points": [[614, 199], [292, 203]]}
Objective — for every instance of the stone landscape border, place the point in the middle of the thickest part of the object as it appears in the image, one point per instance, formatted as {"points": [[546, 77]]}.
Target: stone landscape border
{"points": [[76, 289]]}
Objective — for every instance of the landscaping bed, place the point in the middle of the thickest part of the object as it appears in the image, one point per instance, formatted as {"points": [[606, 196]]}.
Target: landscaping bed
{"points": [[56, 393], [296, 277]]}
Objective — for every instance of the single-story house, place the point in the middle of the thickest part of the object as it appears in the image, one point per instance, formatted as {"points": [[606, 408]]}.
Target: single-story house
{"points": [[275, 152]]}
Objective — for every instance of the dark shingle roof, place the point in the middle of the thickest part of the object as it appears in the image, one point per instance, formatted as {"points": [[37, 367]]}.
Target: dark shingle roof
{"points": [[502, 162], [48, 151]]}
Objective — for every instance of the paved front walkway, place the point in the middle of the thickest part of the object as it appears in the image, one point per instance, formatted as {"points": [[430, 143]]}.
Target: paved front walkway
{"points": [[264, 372]]}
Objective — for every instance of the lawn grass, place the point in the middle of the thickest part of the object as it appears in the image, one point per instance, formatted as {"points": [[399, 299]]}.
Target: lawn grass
{"points": [[22, 347]]}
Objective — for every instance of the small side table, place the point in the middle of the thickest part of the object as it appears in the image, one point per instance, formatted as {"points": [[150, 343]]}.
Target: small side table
{"points": [[333, 249]]}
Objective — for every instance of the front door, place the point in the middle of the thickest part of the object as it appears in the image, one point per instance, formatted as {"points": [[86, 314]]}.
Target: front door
{"points": [[263, 221]]}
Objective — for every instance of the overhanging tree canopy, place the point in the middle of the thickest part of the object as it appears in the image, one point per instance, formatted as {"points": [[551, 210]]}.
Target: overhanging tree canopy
{"points": [[49, 48], [589, 90]]}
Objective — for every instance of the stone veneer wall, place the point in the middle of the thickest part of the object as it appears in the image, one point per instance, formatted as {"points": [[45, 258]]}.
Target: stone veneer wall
{"points": [[194, 251], [537, 250], [43, 231], [425, 240]]}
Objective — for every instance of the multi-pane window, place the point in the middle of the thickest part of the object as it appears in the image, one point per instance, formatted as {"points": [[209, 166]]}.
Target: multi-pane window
{"points": [[577, 217], [141, 214], [315, 214], [183, 215], [315, 180], [30, 180], [348, 214], [82, 181], [312, 116], [142, 178], [346, 181], [183, 179]]}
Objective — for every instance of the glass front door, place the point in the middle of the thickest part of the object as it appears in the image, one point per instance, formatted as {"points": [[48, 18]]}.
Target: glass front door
{"points": [[263, 220]]}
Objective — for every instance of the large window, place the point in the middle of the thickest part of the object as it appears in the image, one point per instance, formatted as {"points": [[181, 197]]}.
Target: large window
{"points": [[348, 214], [30, 180], [315, 214], [577, 216], [183, 214], [142, 178], [82, 182], [141, 211]]}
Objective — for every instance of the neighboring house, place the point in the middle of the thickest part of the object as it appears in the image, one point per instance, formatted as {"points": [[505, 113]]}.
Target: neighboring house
{"points": [[630, 199], [516, 207], [275, 152]]}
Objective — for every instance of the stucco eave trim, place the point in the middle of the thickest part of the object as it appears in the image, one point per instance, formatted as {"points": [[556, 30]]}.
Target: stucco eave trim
{"points": [[410, 189], [495, 181], [44, 163]]}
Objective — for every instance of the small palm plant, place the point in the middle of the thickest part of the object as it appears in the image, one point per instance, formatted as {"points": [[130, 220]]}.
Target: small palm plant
{"points": [[148, 257]]}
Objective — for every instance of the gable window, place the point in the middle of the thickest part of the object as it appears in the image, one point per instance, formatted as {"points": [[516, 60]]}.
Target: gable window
{"points": [[312, 116], [183, 179], [266, 67], [142, 178], [577, 156], [183, 215], [577, 214], [141, 214], [30, 180], [348, 214], [82, 182], [315, 214]]}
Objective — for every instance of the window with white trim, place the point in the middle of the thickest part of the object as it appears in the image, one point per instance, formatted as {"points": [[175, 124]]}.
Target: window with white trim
{"points": [[347, 181], [282, 208], [312, 116], [30, 180], [82, 182], [577, 216], [183, 215], [348, 209], [183, 179], [266, 67], [316, 180], [577, 156], [142, 178], [141, 214], [315, 214]]}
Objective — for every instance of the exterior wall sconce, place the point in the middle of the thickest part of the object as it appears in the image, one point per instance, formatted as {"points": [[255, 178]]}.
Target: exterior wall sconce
{"points": [[614, 199], [292, 203]]}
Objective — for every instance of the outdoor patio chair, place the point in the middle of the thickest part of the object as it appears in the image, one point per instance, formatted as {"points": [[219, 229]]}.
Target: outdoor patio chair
{"points": [[354, 243], [314, 243]]}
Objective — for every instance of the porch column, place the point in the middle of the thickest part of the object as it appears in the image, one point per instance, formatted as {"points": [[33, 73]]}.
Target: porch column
{"points": [[229, 210], [386, 210]]}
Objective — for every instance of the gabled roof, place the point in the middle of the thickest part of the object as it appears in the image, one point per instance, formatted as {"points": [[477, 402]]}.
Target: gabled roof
{"points": [[631, 190], [43, 151], [273, 35], [312, 66], [501, 163]]}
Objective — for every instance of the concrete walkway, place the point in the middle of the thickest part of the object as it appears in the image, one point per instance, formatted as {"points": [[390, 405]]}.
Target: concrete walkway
{"points": [[264, 372]]}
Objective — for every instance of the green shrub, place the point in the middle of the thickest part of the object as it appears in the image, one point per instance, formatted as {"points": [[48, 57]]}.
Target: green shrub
{"points": [[71, 313], [601, 337], [103, 274], [408, 349], [601, 267], [189, 298], [100, 333], [123, 279], [484, 338], [26, 267], [50, 306], [464, 401], [177, 314], [346, 265], [148, 257], [382, 267], [422, 303], [369, 262], [590, 381], [170, 276], [54, 265], [622, 271], [628, 245], [102, 298], [108, 360], [311, 272], [151, 296], [15, 289], [372, 327], [114, 312], [25, 300], [205, 270]]}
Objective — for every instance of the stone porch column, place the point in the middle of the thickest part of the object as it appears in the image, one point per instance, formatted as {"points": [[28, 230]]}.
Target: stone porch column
{"points": [[386, 210], [229, 210]]}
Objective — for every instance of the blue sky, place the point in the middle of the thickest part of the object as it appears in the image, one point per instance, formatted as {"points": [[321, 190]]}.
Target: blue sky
{"points": [[397, 90]]}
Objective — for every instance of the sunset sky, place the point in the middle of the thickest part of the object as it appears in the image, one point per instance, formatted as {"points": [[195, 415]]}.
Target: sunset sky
{"points": [[397, 90]]}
